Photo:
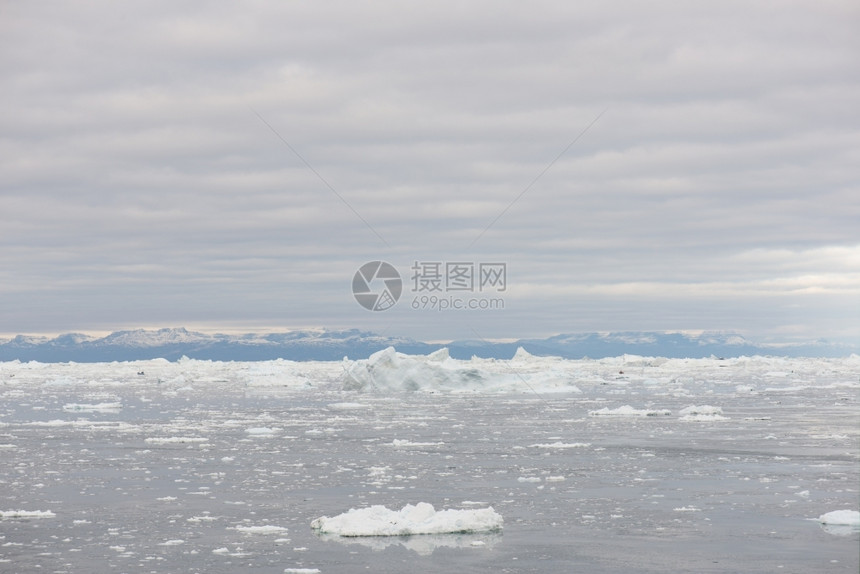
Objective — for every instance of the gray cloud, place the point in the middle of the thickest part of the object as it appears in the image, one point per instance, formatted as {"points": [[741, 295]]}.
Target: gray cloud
{"points": [[718, 191]]}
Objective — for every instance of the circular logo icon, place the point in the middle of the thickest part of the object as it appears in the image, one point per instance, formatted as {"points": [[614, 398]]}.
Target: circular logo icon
{"points": [[377, 286]]}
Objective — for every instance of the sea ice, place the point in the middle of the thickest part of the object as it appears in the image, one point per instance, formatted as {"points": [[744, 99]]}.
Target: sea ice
{"points": [[841, 517], [421, 518], [26, 514], [628, 411], [265, 529], [702, 413], [92, 408]]}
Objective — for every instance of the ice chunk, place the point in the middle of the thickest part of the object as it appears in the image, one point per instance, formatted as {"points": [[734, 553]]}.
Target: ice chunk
{"points": [[26, 514], [262, 431], [702, 413], [175, 439], [841, 522], [265, 529], [92, 408], [841, 517], [421, 518], [628, 411]]}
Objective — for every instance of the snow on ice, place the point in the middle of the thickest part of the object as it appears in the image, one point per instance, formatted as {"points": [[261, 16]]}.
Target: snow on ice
{"points": [[421, 518], [841, 517]]}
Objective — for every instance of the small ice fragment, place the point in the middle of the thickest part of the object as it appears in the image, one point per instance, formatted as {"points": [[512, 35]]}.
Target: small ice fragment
{"points": [[26, 514]]}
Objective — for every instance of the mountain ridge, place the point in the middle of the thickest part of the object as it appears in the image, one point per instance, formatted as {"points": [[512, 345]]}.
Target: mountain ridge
{"points": [[328, 345]]}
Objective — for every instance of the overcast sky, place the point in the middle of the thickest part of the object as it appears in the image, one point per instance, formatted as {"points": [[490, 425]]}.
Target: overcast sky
{"points": [[147, 177]]}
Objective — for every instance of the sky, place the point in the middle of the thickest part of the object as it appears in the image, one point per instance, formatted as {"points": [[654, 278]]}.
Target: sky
{"points": [[668, 166]]}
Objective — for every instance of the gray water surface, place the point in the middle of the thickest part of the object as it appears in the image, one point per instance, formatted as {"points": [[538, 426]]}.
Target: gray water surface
{"points": [[166, 481]]}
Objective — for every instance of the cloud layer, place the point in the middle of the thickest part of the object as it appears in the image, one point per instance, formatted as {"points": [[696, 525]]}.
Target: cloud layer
{"points": [[141, 184]]}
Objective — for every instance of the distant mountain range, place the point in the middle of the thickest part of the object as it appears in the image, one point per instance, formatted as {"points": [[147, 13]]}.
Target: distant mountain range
{"points": [[325, 345]]}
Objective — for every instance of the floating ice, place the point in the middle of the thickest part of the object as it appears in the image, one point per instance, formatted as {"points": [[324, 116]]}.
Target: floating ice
{"points": [[92, 408], [175, 439], [562, 445], [841, 517], [401, 443], [421, 518], [390, 371], [348, 406], [702, 413], [26, 514], [265, 529], [262, 431], [628, 411], [840, 522]]}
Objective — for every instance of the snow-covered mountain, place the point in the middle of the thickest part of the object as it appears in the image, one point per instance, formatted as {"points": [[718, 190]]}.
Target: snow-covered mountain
{"points": [[332, 345]]}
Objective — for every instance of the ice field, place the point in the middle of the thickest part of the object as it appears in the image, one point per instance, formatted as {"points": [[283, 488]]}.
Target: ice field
{"points": [[627, 464]]}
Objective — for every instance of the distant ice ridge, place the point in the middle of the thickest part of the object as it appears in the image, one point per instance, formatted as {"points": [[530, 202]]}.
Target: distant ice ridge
{"points": [[389, 370], [421, 518]]}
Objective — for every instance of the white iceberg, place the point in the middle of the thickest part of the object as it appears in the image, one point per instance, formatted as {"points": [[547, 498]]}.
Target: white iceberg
{"points": [[841, 517], [421, 518], [840, 522], [389, 371]]}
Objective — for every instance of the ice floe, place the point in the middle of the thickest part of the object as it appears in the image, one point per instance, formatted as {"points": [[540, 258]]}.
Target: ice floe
{"points": [[26, 514], [628, 411], [840, 522], [702, 413], [421, 518], [93, 408], [841, 517], [263, 529]]}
